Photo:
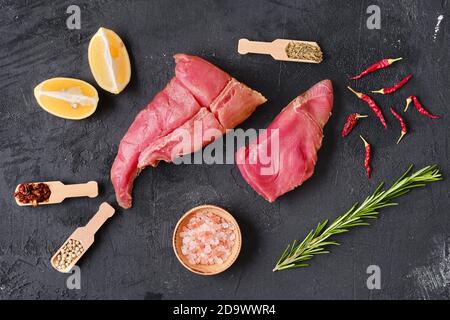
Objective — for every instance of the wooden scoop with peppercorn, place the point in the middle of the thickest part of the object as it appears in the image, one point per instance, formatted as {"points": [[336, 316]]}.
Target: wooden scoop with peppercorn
{"points": [[34, 194], [80, 240], [284, 49]]}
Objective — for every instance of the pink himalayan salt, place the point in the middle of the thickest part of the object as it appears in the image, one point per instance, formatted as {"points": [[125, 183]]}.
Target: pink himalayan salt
{"points": [[207, 239]]}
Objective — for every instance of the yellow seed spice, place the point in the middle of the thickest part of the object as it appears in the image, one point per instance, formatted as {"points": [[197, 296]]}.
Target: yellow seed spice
{"points": [[68, 253]]}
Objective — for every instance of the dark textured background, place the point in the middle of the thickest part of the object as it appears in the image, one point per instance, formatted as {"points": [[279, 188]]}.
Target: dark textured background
{"points": [[132, 257]]}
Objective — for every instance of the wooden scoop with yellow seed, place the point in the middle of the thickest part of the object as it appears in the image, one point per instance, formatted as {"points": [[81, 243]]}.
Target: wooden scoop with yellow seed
{"points": [[80, 240]]}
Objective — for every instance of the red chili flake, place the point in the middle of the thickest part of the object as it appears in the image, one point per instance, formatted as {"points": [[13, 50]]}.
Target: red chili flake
{"points": [[33, 192], [376, 66], [376, 109], [395, 87], [402, 124], [419, 107], [351, 122], [367, 157]]}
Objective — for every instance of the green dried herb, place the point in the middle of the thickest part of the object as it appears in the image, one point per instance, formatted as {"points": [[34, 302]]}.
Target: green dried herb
{"points": [[304, 51]]}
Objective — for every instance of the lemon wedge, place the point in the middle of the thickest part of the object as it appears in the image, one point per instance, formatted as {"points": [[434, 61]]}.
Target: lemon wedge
{"points": [[109, 61], [67, 98]]}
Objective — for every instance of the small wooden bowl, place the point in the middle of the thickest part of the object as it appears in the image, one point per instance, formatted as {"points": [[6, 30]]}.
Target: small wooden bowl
{"points": [[206, 270]]}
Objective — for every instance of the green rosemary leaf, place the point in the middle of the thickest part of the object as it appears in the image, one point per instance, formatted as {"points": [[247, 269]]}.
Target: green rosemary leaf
{"points": [[337, 231], [357, 224], [316, 241], [321, 226], [326, 243], [285, 253]]}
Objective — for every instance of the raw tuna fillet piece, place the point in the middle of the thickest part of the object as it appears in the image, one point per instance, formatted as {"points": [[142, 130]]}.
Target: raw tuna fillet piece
{"points": [[236, 103], [197, 84], [272, 168], [170, 108], [193, 135], [203, 79]]}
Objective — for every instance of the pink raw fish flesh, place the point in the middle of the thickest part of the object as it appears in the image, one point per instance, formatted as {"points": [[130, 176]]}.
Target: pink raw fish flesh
{"points": [[203, 79], [170, 108], [297, 133], [153, 136], [236, 103], [193, 135]]}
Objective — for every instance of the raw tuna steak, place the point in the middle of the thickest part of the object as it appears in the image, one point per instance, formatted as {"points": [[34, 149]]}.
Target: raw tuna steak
{"points": [[199, 131], [170, 108], [236, 103], [203, 79], [153, 136], [291, 143]]}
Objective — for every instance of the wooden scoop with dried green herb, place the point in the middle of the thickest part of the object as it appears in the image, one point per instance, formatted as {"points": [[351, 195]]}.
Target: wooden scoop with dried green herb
{"points": [[284, 49], [318, 239]]}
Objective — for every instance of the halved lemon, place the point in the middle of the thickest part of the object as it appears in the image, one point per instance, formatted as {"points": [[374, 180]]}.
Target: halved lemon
{"points": [[67, 98], [109, 61]]}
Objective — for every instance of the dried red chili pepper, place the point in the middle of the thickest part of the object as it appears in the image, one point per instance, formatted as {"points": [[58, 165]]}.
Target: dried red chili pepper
{"points": [[376, 109], [419, 107], [351, 122], [33, 192], [376, 66], [395, 87], [367, 157], [402, 124]]}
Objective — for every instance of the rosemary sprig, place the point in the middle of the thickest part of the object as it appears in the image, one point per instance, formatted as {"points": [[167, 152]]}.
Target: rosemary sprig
{"points": [[318, 239]]}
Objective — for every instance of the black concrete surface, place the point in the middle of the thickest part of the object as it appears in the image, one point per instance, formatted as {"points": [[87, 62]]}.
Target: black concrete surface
{"points": [[132, 257]]}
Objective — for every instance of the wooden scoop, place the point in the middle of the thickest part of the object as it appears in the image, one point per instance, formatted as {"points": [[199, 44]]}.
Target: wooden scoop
{"points": [[85, 235], [60, 191], [276, 48]]}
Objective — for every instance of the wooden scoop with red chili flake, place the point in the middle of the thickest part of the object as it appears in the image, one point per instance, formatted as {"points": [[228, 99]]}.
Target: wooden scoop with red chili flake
{"points": [[39, 193]]}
